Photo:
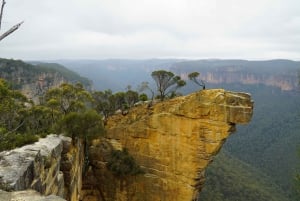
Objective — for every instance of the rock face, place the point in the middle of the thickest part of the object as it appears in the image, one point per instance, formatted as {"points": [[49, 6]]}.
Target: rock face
{"points": [[51, 166], [282, 74], [173, 141], [28, 195]]}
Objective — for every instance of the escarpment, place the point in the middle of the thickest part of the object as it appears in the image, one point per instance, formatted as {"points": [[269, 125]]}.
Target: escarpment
{"points": [[173, 141]]}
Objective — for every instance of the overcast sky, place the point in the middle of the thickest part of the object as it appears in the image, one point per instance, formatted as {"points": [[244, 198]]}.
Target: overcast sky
{"points": [[138, 29]]}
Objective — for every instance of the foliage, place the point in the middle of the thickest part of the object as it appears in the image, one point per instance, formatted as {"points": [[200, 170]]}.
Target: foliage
{"points": [[228, 179], [143, 97], [166, 82], [193, 76], [107, 103], [145, 86], [68, 98], [13, 140], [121, 163], [65, 109], [104, 102], [13, 113], [84, 125], [131, 97]]}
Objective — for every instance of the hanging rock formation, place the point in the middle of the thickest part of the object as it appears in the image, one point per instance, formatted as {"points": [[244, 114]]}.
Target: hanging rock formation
{"points": [[173, 141]]}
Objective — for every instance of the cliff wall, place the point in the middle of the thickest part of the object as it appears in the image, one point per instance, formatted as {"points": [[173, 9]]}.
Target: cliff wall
{"points": [[51, 166], [173, 141], [286, 82], [282, 74]]}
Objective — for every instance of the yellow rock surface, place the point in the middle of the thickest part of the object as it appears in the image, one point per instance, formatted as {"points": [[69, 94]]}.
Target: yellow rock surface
{"points": [[173, 141]]}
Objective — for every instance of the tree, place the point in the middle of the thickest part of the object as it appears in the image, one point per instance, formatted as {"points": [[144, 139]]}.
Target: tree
{"points": [[143, 97], [11, 103], [122, 164], [194, 77], [166, 82], [103, 102], [85, 125], [12, 29], [131, 97], [14, 110], [68, 98], [145, 86]]}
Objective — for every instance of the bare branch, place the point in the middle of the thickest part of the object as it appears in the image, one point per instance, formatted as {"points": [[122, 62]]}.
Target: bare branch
{"points": [[1, 12], [11, 30]]}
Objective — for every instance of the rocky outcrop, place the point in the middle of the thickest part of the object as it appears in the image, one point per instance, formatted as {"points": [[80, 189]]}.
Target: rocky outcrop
{"points": [[28, 195], [173, 141], [51, 166]]}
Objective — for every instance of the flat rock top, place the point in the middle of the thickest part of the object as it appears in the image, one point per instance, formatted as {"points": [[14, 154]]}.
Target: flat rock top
{"points": [[29, 195], [14, 163]]}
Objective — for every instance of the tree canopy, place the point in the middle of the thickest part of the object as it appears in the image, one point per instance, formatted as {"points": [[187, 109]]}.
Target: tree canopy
{"points": [[194, 77], [166, 82]]}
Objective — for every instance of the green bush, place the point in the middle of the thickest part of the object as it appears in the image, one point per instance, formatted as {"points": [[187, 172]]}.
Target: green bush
{"points": [[13, 140], [121, 163]]}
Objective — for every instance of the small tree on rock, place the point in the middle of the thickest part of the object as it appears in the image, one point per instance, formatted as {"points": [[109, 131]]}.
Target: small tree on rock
{"points": [[194, 77], [166, 82]]}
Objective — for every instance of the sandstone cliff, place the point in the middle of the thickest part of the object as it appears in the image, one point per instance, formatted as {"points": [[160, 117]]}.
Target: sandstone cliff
{"points": [[282, 74], [173, 141]]}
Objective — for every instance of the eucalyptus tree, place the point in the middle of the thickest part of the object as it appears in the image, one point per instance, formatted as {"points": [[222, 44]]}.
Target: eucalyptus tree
{"points": [[194, 76], [145, 86], [68, 98], [166, 82], [104, 102]]}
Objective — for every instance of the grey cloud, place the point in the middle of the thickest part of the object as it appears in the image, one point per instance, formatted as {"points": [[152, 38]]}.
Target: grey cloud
{"points": [[152, 28]]}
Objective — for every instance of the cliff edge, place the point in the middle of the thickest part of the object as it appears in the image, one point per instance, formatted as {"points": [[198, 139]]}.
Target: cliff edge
{"points": [[173, 141]]}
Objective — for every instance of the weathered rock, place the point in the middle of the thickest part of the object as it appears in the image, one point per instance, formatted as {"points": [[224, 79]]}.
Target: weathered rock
{"points": [[173, 142], [51, 166], [29, 195], [33, 166], [72, 167]]}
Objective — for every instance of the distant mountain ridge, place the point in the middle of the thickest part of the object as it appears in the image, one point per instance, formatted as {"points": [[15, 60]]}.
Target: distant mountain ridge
{"points": [[116, 74], [278, 73]]}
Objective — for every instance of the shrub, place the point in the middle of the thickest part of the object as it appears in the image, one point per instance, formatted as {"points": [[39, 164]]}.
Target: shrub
{"points": [[121, 163]]}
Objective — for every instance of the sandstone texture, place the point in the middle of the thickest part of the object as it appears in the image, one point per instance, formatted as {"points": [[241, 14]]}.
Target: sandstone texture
{"points": [[51, 166], [173, 141]]}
